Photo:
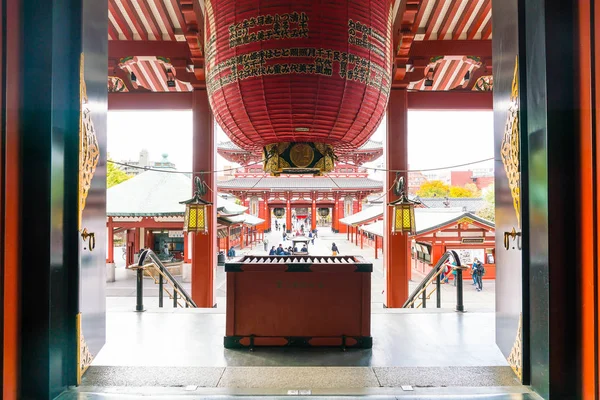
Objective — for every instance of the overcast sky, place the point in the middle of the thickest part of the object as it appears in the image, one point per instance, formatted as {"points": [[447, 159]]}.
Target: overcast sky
{"points": [[435, 138]]}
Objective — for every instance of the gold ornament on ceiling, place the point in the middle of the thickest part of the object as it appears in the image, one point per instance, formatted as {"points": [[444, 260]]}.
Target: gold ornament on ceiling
{"points": [[89, 150], [510, 149]]}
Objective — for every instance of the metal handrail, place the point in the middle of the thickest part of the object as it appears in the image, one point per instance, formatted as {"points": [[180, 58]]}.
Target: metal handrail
{"points": [[420, 292], [163, 273]]}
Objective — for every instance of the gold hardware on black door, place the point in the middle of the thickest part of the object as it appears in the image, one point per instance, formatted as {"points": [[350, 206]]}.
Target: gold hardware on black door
{"points": [[90, 237], [512, 236]]}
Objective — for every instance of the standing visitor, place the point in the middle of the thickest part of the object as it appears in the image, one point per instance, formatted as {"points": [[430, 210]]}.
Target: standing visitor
{"points": [[479, 272], [231, 252], [334, 250], [473, 270], [266, 243]]}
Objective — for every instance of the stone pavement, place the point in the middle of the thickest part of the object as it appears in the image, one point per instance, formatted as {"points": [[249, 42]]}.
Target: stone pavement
{"points": [[119, 293]]}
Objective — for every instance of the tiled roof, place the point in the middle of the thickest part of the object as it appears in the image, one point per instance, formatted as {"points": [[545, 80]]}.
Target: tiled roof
{"points": [[464, 203], [366, 215], [426, 219], [299, 183]]}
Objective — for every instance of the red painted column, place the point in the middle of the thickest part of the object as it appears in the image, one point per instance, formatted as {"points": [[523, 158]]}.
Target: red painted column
{"points": [[204, 249], [186, 248], [288, 215], [362, 234], [136, 244], [313, 219], [395, 246], [242, 236], [227, 244], [376, 240], [111, 241]]}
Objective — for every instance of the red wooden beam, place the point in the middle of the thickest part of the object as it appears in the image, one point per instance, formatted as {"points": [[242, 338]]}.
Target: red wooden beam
{"points": [[437, 10], [135, 19], [448, 18], [479, 18], [122, 48], [120, 19], [150, 101], [452, 100], [164, 15], [420, 15], [179, 15], [462, 22], [486, 32], [433, 48], [152, 22]]}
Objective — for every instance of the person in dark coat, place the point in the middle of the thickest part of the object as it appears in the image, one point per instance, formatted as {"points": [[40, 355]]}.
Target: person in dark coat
{"points": [[334, 250]]}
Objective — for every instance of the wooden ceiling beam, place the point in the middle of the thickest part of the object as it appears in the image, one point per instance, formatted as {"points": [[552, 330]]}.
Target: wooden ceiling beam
{"points": [[166, 20], [479, 18], [448, 18], [437, 10], [120, 19], [152, 22], [135, 19], [466, 15], [174, 50]]}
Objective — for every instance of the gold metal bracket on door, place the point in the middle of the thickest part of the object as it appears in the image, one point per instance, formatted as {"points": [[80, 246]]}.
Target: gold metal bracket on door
{"points": [[90, 237], [512, 236]]}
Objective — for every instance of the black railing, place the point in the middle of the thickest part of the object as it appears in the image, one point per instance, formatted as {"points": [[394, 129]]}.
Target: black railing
{"points": [[434, 277], [163, 274]]}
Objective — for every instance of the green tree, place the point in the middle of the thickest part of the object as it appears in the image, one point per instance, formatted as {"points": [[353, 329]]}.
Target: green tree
{"points": [[457, 191], [115, 175], [433, 189], [489, 211]]}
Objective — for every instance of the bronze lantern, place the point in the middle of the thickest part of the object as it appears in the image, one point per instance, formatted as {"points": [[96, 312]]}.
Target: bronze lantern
{"points": [[196, 213], [323, 212], [403, 210], [279, 212]]}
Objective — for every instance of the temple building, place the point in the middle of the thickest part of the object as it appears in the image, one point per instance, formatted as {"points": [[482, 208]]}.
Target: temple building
{"points": [[323, 200]]}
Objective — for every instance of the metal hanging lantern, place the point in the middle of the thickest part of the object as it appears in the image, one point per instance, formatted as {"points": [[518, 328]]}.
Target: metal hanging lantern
{"points": [[323, 212], [279, 213], [196, 210], [403, 209]]}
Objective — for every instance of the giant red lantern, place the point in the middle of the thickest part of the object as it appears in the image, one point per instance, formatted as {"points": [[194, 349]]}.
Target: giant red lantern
{"points": [[301, 79]]}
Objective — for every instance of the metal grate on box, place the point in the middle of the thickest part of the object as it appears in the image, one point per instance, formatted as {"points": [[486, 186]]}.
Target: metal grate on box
{"points": [[300, 260]]}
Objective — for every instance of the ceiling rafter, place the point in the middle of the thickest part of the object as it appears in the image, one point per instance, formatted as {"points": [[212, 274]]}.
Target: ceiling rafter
{"points": [[466, 15], [449, 18], [120, 19], [437, 10], [149, 16], [479, 19], [166, 20], [134, 18]]}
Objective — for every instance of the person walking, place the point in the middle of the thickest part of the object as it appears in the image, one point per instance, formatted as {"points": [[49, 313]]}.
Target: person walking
{"points": [[479, 272], [266, 243], [334, 250], [473, 269]]}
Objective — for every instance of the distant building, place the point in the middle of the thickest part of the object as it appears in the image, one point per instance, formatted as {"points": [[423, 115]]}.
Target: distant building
{"points": [[415, 180], [482, 178], [137, 167]]}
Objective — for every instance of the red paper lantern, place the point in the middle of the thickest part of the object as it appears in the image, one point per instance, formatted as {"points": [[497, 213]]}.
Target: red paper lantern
{"points": [[302, 71]]}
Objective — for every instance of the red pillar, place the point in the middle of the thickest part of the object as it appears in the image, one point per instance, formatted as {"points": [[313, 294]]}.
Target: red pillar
{"points": [[186, 248], [111, 244], [242, 236], [376, 240], [362, 234], [395, 246], [313, 219], [204, 246], [288, 215], [227, 244]]}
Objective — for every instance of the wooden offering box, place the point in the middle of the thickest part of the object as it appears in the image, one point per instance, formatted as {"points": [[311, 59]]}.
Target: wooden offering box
{"points": [[298, 301]]}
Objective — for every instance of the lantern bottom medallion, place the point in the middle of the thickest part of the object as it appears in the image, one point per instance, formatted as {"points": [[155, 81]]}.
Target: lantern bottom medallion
{"points": [[298, 158]]}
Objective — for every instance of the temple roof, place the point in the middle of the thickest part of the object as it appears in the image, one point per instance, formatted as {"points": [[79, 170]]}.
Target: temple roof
{"points": [[426, 219], [468, 204], [304, 183], [156, 193]]}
